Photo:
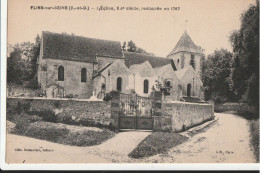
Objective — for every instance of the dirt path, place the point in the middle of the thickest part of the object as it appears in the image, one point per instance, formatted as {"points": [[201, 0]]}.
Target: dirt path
{"points": [[227, 141], [107, 152]]}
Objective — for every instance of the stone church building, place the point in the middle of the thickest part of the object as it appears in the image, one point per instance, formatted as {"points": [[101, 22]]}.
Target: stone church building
{"points": [[75, 66]]}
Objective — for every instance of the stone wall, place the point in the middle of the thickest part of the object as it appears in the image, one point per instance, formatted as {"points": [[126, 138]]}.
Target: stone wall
{"points": [[178, 116], [238, 107], [67, 110]]}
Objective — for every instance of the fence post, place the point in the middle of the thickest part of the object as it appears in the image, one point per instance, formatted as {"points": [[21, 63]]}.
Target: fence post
{"points": [[157, 110], [115, 110]]}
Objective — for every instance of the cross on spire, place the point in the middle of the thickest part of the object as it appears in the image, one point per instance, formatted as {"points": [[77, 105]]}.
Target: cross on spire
{"points": [[186, 23]]}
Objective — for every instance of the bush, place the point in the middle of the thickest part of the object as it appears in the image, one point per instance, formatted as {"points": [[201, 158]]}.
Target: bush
{"points": [[67, 134], [254, 137], [46, 131], [57, 104], [89, 138], [157, 143], [110, 95], [23, 120], [69, 96], [47, 115]]}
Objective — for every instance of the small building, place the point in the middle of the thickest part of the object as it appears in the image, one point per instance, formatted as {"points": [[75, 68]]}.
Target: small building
{"points": [[192, 86], [144, 78], [113, 76]]}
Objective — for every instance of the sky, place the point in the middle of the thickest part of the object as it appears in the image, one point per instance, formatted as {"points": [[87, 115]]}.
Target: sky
{"points": [[209, 22]]}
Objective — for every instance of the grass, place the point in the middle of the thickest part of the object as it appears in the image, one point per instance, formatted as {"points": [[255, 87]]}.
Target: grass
{"points": [[254, 137], [64, 134], [157, 143]]}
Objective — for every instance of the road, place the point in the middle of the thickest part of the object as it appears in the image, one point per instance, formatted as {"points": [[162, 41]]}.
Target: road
{"points": [[226, 141]]}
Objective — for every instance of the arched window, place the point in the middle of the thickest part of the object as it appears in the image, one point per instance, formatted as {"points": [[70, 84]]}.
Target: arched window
{"points": [[146, 86], [83, 75], [188, 90], [192, 61], [61, 73], [119, 84]]}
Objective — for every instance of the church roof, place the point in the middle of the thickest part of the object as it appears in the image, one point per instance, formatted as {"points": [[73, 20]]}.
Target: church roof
{"points": [[165, 71], [144, 69], [78, 48], [182, 72], [132, 58], [99, 72], [185, 44]]}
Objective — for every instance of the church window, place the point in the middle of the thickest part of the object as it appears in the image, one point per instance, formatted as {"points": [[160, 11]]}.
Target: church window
{"points": [[103, 86], [119, 84], [192, 61], [188, 90], [83, 75], [61, 73], [146, 86]]}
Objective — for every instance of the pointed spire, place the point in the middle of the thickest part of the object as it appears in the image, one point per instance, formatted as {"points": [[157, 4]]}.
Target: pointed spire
{"points": [[185, 44]]}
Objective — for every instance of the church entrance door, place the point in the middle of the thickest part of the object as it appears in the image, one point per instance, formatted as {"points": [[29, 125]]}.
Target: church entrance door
{"points": [[189, 90]]}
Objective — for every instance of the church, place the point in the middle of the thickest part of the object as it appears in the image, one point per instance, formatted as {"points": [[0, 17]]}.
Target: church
{"points": [[76, 67]]}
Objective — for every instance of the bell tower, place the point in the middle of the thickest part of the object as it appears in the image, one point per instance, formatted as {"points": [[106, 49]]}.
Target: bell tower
{"points": [[186, 53]]}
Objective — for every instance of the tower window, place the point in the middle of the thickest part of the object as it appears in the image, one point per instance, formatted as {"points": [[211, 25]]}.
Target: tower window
{"points": [[146, 86], [192, 61]]}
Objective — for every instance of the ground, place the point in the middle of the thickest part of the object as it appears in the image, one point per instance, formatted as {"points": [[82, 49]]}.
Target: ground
{"points": [[226, 141]]}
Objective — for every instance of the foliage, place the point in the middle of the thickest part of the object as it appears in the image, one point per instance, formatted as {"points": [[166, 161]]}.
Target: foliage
{"points": [[110, 95], [245, 43], [22, 62], [67, 134], [216, 76], [165, 87], [131, 47], [254, 137], [157, 143]]}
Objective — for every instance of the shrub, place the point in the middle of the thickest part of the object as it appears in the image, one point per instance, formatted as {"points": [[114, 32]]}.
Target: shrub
{"points": [[89, 138], [46, 131], [254, 137], [57, 104], [69, 96], [22, 121], [110, 95], [47, 115], [157, 143], [67, 134]]}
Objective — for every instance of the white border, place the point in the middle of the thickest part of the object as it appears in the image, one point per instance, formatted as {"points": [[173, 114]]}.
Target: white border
{"points": [[4, 166]]}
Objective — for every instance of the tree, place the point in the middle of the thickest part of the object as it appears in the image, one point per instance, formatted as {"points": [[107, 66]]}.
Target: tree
{"points": [[22, 62], [131, 47], [124, 46], [245, 66], [216, 76]]}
